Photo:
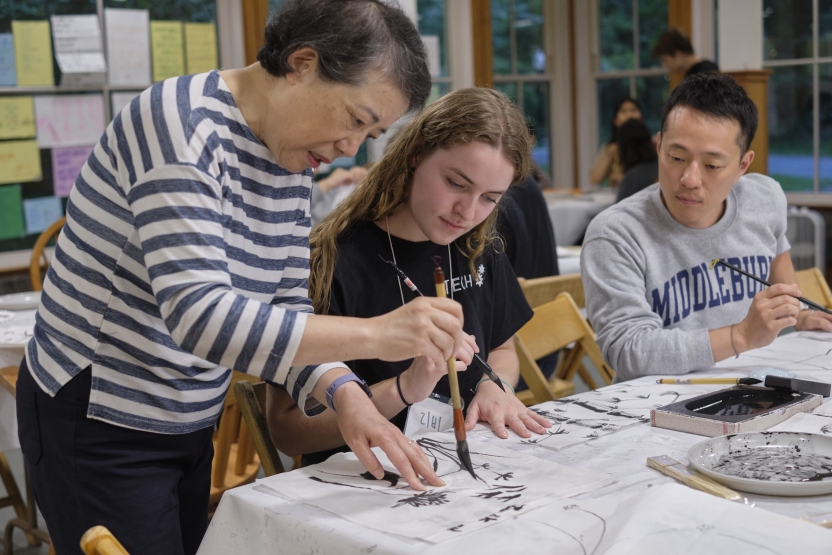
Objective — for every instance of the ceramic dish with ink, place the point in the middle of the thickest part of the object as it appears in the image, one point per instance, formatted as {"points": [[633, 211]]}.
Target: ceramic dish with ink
{"points": [[20, 301], [770, 463]]}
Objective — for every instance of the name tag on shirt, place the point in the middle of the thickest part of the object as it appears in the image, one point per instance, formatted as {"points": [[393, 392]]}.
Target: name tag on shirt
{"points": [[434, 414]]}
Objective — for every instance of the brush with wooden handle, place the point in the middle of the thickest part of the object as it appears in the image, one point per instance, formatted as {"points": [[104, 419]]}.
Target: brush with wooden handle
{"points": [[459, 421]]}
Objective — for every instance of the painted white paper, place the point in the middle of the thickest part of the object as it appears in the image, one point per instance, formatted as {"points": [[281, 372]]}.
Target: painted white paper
{"points": [[810, 423], [5, 316], [509, 484], [798, 351], [588, 416], [69, 120], [15, 335], [128, 46]]}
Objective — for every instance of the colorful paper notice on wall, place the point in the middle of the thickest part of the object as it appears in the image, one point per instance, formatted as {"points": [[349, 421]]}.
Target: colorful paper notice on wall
{"points": [[33, 53], [69, 120], [17, 117], [19, 162], [8, 73], [41, 212], [11, 212], [66, 165], [167, 49], [128, 46], [200, 47]]}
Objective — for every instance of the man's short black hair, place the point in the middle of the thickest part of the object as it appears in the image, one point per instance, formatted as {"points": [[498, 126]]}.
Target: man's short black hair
{"points": [[670, 42], [719, 96]]}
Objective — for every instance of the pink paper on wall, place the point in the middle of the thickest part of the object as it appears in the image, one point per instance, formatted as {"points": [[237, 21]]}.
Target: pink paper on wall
{"points": [[66, 165]]}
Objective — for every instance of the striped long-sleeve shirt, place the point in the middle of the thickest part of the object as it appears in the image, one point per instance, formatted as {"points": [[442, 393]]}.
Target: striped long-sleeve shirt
{"points": [[185, 253]]}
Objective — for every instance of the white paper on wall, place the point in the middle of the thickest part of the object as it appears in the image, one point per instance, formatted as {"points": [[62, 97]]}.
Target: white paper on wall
{"points": [[128, 46], [78, 49], [69, 120]]}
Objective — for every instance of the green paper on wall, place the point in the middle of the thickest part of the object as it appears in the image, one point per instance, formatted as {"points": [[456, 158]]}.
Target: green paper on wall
{"points": [[11, 213]]}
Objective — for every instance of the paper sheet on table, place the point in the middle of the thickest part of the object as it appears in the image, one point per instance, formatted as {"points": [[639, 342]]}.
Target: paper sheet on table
{"points": [[200, 47], [5, 316], [33, 53], [166, 49], [806, 423], [588, 416], [17, 117], [66, 165], [19, 162], [41, 212], [11, 212], [673, 519], [802, 350], [510, 484], [69, 119], [128, 46], [8, 73], [15, 335]]}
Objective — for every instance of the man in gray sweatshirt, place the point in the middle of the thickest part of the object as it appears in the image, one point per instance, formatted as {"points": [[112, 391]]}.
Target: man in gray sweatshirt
{"points": [[657, 305]]}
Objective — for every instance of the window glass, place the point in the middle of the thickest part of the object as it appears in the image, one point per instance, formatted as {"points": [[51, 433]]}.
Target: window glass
{"points": [[787, 26], [825, 109], [791, 154], [825, 28], [508, 89], [615, 34], [181, 10], [528, 32], [536, 108], [651, 93], [41, 9], [432, 23], [652, 22], [500, 36]]}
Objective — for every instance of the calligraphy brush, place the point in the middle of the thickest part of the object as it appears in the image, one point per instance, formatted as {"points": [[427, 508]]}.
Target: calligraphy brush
{"points": [[486, 369], [807, 302], [459, 422]]}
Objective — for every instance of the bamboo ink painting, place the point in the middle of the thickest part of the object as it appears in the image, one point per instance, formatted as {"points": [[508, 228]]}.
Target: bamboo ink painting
{"points": [[588, 416], [508, 484]]}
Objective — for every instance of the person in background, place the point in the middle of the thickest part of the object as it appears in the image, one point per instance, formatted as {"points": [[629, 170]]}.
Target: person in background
{"points": [[607, 165], [186, 253], [329, 192], [638, 156], [675, 51]]}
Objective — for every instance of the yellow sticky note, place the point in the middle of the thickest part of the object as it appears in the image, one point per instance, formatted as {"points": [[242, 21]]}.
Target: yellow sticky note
{"points": [[19, 161], [33, 53], [200, 47], [167, 49], [17, 118]]}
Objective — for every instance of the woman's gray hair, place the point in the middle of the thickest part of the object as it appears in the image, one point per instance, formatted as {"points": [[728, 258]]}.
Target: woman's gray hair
{"points": [[351, 37]]}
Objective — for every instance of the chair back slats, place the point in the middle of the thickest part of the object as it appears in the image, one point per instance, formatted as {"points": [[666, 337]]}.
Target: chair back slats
{"points": [[252, 400], [540, 291], [100, 541], [38, 260], [552, 328], [814, 287]]}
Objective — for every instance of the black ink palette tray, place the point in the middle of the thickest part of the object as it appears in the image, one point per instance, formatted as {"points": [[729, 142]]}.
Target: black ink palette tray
{"points": [[734, 410]]}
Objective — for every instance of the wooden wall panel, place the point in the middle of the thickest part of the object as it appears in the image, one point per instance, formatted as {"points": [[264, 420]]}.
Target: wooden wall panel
{"points": [[483, 46], [755, 83], [255, 14], [679, 16]]}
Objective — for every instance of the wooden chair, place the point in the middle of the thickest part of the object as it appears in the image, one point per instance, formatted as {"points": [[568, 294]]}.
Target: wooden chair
{"points": [[814, 287], [540, 291], [553, 326], [39, 262], [100, 541], [235, 461], [252, 398]]}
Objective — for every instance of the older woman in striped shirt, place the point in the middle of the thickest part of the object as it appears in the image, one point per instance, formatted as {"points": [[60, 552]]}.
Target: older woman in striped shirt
{"points": [[186, 254]]}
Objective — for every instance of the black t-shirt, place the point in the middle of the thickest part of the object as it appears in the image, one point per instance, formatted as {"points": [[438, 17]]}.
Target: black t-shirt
{"points": [[527, 231], [705, 66], [364, 286], [637, 178]]}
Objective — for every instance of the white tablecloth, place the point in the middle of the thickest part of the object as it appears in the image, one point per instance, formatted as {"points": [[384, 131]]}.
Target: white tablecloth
{"points": [[571, 215], [11, 356], [252, 522]]}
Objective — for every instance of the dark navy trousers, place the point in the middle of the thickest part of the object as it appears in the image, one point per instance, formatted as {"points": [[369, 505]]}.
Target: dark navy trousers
{"points": [[151, 490]]}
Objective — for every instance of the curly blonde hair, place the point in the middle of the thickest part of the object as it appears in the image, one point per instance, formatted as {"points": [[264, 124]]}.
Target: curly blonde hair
{"points": [[459, 118]]}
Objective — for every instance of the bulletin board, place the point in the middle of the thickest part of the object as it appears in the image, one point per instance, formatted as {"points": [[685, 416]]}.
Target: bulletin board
{"points": [[50, 118]]}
